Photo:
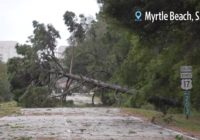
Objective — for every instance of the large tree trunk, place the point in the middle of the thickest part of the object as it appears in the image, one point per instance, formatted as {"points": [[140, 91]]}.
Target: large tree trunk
{"points": [[97, 83], [94, 82]]}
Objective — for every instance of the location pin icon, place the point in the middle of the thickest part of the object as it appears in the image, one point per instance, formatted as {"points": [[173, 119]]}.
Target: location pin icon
{"points": [[138, 15]]}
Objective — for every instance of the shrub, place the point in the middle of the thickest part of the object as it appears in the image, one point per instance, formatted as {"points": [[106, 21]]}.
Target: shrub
{"points": [[39, 97], [5, 94], [108, 98]]}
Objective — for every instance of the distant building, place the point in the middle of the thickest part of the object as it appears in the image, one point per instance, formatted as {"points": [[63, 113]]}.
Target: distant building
{"points": [[7, 50]]}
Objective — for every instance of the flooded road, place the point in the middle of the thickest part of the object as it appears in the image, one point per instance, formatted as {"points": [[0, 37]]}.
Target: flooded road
{"points": [[79, 124], [83, 99]]}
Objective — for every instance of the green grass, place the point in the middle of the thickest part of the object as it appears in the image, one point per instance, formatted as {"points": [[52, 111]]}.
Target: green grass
{"points": [[16, 126], [192, 124], [142, 112], [9, 108], [24, 138], [177, 121]]}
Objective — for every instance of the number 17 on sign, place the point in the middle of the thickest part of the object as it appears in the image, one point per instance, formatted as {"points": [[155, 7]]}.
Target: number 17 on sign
{"points": [[186, 84]]}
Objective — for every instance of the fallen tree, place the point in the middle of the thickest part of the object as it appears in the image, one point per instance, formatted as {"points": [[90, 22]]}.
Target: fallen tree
{"points": [[39, 68], [83, 79], [98, 83]]}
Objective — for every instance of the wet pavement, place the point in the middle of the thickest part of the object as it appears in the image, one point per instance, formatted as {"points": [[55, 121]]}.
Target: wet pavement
{"points": [[83, 99], [80, 124]]}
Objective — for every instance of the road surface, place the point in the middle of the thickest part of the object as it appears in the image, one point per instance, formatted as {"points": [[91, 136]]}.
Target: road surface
{"points": [[80, 124]]}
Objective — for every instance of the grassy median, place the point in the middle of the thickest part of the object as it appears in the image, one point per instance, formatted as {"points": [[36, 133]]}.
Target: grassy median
{"points": [[9, 108], [176, 121]]}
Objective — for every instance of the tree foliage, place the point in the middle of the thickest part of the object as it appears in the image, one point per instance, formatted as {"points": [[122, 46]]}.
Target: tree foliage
{"points": [[124, 11], [158, 49], [32, 68], [101, 52], [144, 56]]}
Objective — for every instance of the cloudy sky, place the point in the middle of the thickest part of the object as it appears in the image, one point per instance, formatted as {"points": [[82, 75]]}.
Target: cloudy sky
{"points": [[16, 16]]}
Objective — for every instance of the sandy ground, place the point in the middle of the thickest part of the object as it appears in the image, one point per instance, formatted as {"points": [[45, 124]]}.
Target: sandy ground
{"points": [[79, 124]]}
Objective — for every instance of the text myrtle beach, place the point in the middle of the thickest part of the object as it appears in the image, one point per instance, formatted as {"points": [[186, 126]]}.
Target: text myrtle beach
{"points": [[167, 16]]}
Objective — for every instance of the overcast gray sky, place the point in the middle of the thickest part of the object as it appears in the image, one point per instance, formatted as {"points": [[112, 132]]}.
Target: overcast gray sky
{"points": [[16, 16]]}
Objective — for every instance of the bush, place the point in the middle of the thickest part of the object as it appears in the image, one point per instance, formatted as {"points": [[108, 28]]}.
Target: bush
{"points": [[5, 94], [136, 100], [148, 106], [34, 97], [108, 98], [175, 110], [128, 101], [39, 97], [17, 93]]}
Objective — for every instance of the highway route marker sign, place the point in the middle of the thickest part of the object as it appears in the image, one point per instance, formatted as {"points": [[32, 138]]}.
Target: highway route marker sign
{"points": [[186, 77], [186, 85]]}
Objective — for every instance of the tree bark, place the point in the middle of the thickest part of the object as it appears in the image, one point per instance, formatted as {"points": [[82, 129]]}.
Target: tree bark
{"points": [[94, 82], [98, 83]]}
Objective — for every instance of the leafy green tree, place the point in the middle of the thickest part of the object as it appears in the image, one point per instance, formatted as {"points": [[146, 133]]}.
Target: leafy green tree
{"points": [[101, 52], [124, 12], [159, 49], [34, 66]]}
